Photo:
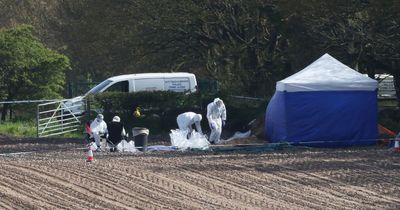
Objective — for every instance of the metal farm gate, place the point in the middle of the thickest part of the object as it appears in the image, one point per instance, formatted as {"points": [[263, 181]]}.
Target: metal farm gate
{"points": [[59, 117]]}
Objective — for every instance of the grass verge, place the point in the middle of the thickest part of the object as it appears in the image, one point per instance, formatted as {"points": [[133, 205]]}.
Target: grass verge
{"points": [[28, 129], [20, 129]]}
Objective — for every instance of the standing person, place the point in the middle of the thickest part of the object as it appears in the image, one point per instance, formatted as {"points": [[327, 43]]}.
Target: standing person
{"points": [[216, 116], [186, 120], [98, 128], [116, 132]]}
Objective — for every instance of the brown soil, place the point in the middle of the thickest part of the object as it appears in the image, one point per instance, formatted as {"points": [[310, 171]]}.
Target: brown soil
{"points": [[54, 174]]}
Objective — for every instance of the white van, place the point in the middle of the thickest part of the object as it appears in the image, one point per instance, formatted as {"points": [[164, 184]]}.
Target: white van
{"points": [[176, 82]]}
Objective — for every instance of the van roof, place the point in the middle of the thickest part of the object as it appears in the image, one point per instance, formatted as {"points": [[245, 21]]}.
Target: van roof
{"points": [[150, 75]]}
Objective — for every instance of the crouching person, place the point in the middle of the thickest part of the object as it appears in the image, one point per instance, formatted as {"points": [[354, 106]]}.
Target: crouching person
{"points": [[116, 133], [186, 120], [98, 130]]}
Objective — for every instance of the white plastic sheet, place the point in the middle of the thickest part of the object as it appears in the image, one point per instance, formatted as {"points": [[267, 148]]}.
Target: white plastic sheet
{"points": [[125, 146], [196, 141], [239, 135], [161, 148], [92, 146]]}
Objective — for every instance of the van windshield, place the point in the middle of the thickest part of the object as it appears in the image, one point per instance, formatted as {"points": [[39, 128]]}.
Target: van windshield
{"points": [[98, 87]]}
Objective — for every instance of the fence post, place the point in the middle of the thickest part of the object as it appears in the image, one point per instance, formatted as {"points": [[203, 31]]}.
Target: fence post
{"points": [[88, 108], [62, 116], [37, 121]]}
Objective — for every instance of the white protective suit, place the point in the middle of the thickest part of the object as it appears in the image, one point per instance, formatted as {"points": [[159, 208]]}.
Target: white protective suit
{"points": [[187, 119], [216, 115], [98, 127]]}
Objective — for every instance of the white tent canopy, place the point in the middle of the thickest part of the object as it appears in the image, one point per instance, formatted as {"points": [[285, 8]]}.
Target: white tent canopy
{"points": [[327, 74]]}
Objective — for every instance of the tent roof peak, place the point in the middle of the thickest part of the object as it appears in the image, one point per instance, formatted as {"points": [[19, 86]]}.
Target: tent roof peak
{"points": [[325, 74]]}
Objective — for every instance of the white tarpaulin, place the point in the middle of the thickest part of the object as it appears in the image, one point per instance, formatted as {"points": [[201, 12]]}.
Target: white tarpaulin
{"points": [[239, 135], [196, 140], [125, 146], [160, 148]]}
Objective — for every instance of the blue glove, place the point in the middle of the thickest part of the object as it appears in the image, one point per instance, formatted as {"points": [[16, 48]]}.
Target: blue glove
{"points": [[212, 125], [223, 123]]}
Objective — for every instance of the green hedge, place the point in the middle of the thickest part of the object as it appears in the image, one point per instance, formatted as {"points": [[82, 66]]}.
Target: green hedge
{"points": [[389, 118], [160, 109]]}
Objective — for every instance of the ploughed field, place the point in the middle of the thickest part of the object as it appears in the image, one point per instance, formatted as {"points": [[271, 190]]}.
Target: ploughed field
{"points": [[54, 174]]}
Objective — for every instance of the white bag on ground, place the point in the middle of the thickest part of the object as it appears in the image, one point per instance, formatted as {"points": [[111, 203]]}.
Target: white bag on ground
{"points": [[196, 140], [125, 146], [160, 148], [239, 135], [92, 146]]}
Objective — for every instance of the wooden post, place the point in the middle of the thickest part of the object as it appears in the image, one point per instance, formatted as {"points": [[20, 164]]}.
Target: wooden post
{"points": [[37, 121]]}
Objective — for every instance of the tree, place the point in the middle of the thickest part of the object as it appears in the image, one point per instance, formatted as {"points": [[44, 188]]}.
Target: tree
{"points": [[29, 70], [235, 42], [97, 35], [386, 43], [362, 33]]}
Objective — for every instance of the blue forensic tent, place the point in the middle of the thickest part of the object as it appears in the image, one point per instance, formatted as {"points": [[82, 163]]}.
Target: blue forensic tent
{"points": [[325, 104]]}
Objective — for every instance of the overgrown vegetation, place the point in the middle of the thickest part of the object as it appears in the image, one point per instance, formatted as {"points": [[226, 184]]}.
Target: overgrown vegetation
{"points": [[160, 109], [21, 128], [29, 129], [389, 114], [246, 45], [28, 70]]}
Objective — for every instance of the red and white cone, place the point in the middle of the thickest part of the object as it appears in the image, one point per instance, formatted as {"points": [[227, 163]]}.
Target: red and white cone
{"points": [[396, 148], [90, 157]]}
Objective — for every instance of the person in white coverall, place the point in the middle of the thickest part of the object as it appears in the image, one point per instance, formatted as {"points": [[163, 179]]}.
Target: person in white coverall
{"points": [[98, 127], [186, 120], [216, 116]]}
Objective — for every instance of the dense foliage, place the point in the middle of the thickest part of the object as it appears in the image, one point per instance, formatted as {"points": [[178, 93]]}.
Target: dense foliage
{"points": [[159, 109], [29, 70], [246, 45]]}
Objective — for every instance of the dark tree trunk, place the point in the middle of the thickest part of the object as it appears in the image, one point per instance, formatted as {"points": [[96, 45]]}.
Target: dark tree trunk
{"points": [[11, 112], [4, 112], [396, 81]]}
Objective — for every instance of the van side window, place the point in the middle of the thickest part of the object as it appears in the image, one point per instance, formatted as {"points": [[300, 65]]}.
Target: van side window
{"points": [[122, 86]]}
